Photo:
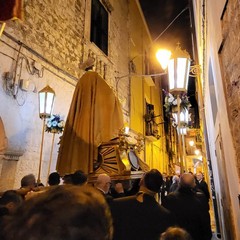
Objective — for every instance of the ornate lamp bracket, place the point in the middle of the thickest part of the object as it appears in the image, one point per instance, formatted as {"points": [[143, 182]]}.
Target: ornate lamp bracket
{"points": [[195, 70]]}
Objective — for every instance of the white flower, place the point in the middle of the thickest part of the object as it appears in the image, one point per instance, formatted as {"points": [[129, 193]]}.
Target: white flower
{"points": [[175, 102], [61, 124], [54, 123], [171, 99]]}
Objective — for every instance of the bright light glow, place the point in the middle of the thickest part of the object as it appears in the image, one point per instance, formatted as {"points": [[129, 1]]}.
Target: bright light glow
{"points": [[171, 74], [45, 103], [163, 57], [49, 103], [191, 143], [126, 130], [178, 73], [181, 68], [46, 99], [197, 152], [184, 116], [183, 131], [41, 102]]}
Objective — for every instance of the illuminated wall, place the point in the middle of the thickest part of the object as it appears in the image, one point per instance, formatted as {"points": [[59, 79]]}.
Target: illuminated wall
{"points": [[217, 26], [144, 90], [56, 36]]}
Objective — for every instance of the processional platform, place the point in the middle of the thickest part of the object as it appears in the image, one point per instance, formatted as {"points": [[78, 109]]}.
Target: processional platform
{"points": [[119, 160]]}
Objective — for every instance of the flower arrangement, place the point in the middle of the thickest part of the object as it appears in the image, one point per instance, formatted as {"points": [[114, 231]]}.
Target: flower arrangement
{"points": [[170, 102], [55, 124]]}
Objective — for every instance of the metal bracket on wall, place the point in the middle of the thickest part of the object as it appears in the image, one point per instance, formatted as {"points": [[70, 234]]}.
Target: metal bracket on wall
{"points": [[195, 70], [12, 155]]}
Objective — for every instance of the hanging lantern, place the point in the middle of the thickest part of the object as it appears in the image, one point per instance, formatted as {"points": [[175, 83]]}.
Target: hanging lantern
{"points": [[178, 70], [183, 131], [46, 99], [184, 117]]}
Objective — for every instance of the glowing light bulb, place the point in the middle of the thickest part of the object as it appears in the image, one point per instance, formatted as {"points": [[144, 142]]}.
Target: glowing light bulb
{"points": [[126, 130], [163, 57], [197, 151], [191, 143]]}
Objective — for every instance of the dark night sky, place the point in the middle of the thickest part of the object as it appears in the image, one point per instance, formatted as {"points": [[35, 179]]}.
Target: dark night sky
{"points": [[160, 13]]}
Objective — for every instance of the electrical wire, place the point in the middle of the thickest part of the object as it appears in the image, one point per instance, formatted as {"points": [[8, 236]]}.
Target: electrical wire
{"points": [[151, 75], [169, 25], [44, 67], [39, 56]]}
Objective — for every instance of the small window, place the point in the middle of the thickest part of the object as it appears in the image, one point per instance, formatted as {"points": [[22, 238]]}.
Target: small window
{"points": [[99, 26]]}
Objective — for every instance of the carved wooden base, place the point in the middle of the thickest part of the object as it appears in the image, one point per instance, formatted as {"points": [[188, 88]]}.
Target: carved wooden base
{"points": [[120, 164]]}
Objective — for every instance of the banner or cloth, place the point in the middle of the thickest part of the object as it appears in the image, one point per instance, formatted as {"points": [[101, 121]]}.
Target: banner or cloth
{"points": [[95, 116], [10, 9]]}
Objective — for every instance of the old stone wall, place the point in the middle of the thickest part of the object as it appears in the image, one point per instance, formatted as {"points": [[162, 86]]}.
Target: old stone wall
{"points": [[54, 29], [46, 48], [229, 56]]}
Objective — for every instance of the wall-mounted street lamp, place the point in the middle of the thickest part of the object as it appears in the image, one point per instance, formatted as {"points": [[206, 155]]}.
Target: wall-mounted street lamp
{"points": [[178, 71], [184, 117], [182, 131], [46, 100], [178, 75]]}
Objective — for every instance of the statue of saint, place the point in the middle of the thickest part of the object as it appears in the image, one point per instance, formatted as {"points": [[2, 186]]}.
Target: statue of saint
{"points": [[95, 116]]}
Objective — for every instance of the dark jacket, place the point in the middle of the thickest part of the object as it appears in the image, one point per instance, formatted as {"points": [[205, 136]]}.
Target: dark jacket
{"points": [[190, 213], [139, 220], [165, 189], [173, 187], [204, 188]]}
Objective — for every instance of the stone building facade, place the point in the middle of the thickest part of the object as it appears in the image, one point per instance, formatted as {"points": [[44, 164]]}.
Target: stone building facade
{"points": [[230, 67], [217, 35], [46, 47]]}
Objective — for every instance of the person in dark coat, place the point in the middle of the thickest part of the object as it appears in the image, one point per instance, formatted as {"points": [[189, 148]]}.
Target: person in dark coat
{"points": [[165, 186], [189, 211], [202, 185], [9, 203], [79, 178], [53, 179], [141, 216], [61, 212], [175, 183]]}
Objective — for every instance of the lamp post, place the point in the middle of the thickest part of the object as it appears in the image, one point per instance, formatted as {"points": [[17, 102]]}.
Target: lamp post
{"points": [[178, 75], [46, 99], [182, 131]]}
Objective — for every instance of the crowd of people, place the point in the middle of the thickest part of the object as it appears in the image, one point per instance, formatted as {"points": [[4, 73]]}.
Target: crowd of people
{"points": [[155, 207]]}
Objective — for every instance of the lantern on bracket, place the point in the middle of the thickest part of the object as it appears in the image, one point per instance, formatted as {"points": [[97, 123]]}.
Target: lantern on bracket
{"points": [[178, 70], [46, 99]]}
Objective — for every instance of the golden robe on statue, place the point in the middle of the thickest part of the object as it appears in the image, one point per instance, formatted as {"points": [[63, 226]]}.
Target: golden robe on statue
{"points": [[95, 116]]}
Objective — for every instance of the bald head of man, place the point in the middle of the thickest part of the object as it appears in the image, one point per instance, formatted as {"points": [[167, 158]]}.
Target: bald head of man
{"points": [[103, 183], [187, 180]]}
